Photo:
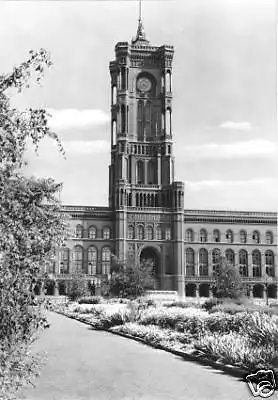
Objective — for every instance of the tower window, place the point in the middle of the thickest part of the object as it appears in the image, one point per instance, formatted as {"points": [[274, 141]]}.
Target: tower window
{"points": [[269, 237], [106, 233], [140, 120], [140, 172]]}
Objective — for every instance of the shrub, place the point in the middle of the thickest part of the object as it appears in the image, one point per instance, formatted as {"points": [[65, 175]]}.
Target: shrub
{"points": [[90, 300], [262, 329], [223, 323], [236, 349], [229, 308], [190, 320], [153, 334], [181, 304], [207, 305]]}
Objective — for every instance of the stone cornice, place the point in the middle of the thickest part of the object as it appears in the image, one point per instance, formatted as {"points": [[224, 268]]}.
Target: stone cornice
{"points": [[234, 217]]}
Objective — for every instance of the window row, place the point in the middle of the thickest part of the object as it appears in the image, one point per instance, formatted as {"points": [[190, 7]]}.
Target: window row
{"points": [[202, 236], [148, 233], [92, 232], [77, 260], [202, 258]]}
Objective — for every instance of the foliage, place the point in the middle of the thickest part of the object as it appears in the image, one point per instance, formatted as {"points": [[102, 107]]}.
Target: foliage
{"points": [[228, 283], [262, 329], [236, 349], [31, 225], [90, 300], [129, 279], [154, 335], [77, 287], [183, 320], [181, 304], [207, 305]]}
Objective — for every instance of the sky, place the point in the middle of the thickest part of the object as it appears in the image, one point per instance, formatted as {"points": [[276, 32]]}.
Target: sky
{"points": [[224, 88]]}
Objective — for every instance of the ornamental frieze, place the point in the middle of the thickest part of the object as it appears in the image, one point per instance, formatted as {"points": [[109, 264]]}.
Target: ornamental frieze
{"points": [[148, 218]]}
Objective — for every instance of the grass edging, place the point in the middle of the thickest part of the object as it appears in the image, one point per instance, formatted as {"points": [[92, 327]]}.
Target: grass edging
{"points": [[237, 372]]}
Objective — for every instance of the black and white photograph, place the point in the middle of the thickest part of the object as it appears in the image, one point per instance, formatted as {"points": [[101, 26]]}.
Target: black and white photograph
{"points": [[138, 200]]}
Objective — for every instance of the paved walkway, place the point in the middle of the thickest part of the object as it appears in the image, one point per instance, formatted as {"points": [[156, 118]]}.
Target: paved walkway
{"points": [[84, 364]]}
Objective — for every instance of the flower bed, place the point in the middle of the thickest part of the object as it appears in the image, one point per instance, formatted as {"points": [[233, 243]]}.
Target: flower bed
{"points": [[246, 339]]}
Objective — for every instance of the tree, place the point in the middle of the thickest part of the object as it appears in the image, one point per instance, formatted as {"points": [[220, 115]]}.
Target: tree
{"points": [[130, 279], [31, 224], [77, 287], [228, 283]]}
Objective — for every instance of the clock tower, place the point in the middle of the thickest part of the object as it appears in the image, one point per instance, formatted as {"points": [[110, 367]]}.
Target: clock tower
{"points": [[148, 204]]}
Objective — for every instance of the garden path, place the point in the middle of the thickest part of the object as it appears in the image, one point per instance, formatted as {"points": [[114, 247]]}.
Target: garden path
{"points": [[84, 364]]}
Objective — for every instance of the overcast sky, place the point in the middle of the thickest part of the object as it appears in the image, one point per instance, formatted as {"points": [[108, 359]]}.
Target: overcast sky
{"points": [[224, 83]]}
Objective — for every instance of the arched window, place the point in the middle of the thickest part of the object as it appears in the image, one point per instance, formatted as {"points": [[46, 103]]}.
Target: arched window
{"points": [[152, 178], [140, 120], [158, 233], [168, 81], [92, 232], [167, 233], [130, 232], [256, 237], [269, 262], [189, 235], [77, 258], [92, 260], [203, 236], [190, 262], [149, 233], [106, 260], [269, 237], [203, 262], [148, 118], [243, 236], [114, 94], [216, 256], [79, 231], [230, 256], [114, 132], [140, 172], [140, 232], [230, 236], [243, 262], [257, 263], [123, 118], [168, 121], [216, 236], [106, 233], [64, 260]]}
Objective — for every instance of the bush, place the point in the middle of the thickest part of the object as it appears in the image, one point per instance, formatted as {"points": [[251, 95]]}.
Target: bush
{"points": [[90, 300], [189, 320], [262, 329], [153, 334], [181, 304], [236, 349], [228, 308], [207, 305], [223, 323]]}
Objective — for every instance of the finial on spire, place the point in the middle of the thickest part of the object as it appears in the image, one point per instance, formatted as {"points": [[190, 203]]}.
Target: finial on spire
{"points": [[140, 36], [140, 9]]}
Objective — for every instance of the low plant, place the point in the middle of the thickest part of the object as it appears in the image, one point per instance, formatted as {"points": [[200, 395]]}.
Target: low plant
{"points": [[181, 304], [262, 329], [236, 349], [189, 320], [90, 300], [153, 334]]}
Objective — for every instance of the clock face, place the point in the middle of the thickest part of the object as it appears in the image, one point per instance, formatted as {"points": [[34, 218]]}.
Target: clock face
{"points": [[144, 84]]}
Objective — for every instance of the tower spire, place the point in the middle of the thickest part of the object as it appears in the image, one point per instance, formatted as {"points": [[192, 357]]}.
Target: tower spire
{"points": [[140, 36]]}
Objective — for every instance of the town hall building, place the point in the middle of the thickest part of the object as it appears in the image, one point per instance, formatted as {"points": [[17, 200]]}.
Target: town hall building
{"points": [[146, 218]]}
